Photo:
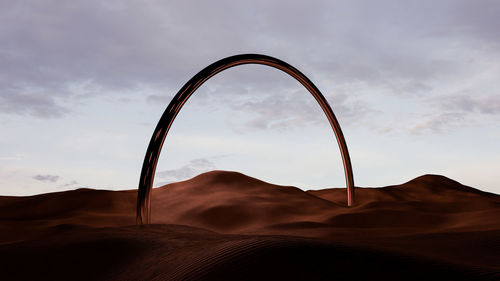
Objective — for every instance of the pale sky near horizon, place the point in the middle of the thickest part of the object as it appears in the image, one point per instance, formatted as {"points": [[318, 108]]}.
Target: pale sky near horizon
{"points": [[414, 85]]}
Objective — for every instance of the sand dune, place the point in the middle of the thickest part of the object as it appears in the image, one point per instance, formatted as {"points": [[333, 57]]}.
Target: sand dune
{"points": [[428, 201], [228, 226], [233, 202]]}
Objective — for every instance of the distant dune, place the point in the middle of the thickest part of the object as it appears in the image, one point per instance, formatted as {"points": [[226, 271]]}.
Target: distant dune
{"points": [[228, 226]]}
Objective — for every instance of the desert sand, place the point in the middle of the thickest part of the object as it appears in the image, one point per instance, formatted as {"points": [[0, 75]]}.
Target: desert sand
{"points": [[228, 226]]}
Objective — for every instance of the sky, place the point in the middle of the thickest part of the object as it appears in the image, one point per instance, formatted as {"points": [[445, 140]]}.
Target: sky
{"points": [[414, 86]]}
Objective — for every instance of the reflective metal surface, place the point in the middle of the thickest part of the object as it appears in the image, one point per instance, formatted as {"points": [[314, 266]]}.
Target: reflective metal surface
{"points": [[166, 120]]}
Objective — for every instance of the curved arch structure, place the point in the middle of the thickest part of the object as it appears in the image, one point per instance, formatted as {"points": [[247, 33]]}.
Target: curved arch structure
{"points": [[166, 120]]}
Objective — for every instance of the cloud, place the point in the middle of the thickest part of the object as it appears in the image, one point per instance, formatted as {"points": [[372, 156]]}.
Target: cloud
{"points": [[15, 157], [278, 112], [456, 111], [159, 99], [284, 112], [440, 123], [193, 168], [489, 105], [32, 103], [46, 178], [71, 183], [119, 47]]}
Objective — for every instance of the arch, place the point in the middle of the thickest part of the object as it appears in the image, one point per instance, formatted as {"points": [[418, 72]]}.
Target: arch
{"points": [[166, 120]]}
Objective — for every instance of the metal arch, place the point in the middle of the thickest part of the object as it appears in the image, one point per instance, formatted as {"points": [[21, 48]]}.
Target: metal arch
{"points": [[166, 120]]}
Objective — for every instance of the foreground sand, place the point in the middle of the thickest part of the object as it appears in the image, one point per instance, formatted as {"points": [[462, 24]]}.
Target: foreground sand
{"points": [[227, 226]]}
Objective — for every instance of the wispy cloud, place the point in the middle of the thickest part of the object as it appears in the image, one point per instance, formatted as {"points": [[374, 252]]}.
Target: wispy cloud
{"points": [[46, 178], [69, 184], [470, 104], [30, 102], [278, 112], [193, 168], [161, 99], [455, 111], [284, 112], [441, 123]]}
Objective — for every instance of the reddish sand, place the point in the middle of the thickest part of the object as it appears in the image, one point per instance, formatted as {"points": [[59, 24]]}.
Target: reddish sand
{"points": [[227, 226]]}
